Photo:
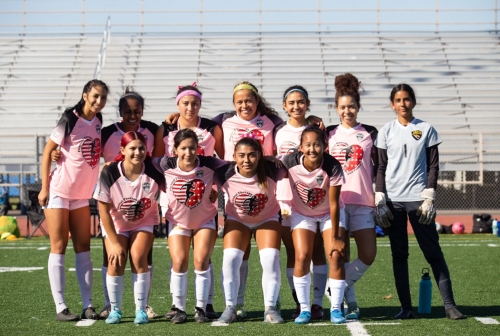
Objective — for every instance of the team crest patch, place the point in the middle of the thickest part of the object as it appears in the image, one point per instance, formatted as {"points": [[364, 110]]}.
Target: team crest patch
{"points": [[98, 128], [359, 136], [200, 137], [146, 186], [319, 179], [259, 123], [416, 134], [200, 173]]}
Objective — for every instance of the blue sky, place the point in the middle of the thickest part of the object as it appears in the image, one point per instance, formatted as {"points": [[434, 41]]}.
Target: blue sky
{"points": [[297, 15]]}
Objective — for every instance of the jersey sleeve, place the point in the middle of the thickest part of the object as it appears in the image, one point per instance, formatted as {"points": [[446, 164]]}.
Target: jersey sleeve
{"points": [[219, 119], [156, 175], [291, 160], [208, 125], [433, 138], [381, 140], [334, 170], [149, 125], [167, 163], [107, 178], [224, 173], [106, 134], [211, 162], [64, 127]]}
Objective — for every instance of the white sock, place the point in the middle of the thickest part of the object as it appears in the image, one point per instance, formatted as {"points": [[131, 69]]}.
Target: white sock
{"points": [[151, 269], [355, 271], [231, 264], [243, 282], [202, 284], [221, 279], [320, 278], [271, 275], [212, 281], [141, 288], [178, 288], [85, 276], [104, 273], [57, 279], [115, 290], [303, 290], [289, 277], [337, 290]]}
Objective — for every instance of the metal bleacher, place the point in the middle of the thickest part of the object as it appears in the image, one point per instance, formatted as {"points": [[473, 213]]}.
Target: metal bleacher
{"points": [[456, 76]]}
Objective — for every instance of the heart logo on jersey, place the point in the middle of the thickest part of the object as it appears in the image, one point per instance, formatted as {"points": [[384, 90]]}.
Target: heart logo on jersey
{"points": [[287, 147], [134, 209], [241, 133], [349, 156], [200, 151], [312, 197], [188, 192], [251, 205], [91, 150]]}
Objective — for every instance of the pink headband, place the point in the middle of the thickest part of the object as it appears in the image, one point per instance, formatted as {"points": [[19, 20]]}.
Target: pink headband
{"points": [[187, 93]]}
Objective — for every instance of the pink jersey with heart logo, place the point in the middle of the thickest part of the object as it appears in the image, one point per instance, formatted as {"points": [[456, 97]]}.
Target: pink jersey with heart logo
{"points": [[77, 171], [353, 148]]}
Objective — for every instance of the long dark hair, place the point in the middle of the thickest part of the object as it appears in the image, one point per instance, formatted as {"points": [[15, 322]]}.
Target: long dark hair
{"points": [[262, 169], [406, 88], [263, 107], [184, 134], [86, 89], [314, 129]]}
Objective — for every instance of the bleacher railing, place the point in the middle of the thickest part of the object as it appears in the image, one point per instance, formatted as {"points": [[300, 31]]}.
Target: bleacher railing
{"points": [[149, 16], [101, 58]]}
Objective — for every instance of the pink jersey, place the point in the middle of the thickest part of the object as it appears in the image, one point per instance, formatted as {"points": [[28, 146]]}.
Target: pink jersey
{"points": [[133, 204], [262, 128], [246, 201], [204, 131], [112, 136], [353, 147], [188, 193], [77, 171], [310, 190], [287, 138]]}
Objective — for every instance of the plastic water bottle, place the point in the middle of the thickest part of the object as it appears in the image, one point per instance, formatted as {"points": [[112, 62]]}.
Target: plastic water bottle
{"points": [[425, 293], [494, 227]]}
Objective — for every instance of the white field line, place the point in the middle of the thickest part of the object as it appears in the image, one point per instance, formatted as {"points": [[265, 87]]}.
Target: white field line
{"points": [[219, 324], [493, 245], [19, 269], [85, 323], [487, 320], [72, 269], [357, 329]]}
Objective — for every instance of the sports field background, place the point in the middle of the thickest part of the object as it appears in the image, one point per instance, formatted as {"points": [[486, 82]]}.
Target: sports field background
{"points": [[27, 306]]}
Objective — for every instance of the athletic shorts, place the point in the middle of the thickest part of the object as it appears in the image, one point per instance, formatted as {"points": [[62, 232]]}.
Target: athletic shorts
{"points": [[253, 227], [299, 221], [56, 202], [359, 217], [147, 228], [174, 230]]}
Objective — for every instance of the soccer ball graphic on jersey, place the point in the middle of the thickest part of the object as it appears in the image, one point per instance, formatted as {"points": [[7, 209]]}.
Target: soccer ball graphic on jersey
{"points": [[312, 197], [188, 192], [251, 205], [349, 156]]}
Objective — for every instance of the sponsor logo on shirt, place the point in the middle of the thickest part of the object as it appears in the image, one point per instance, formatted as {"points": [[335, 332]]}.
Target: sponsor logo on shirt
{"points": [[133, 209], [417, 134], [251, 205], [188, 192], [91, 150], [349, 156], [146, 186], [312, 197], [240, 133]]}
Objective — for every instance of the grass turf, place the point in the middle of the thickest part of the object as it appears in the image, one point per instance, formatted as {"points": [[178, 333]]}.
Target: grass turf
{"points": [[27, 306]]}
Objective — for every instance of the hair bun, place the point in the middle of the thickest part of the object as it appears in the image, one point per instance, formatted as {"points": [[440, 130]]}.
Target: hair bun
{"points": [[347, 84]]}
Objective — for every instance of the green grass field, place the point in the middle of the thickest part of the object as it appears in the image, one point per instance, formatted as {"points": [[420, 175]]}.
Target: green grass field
{"points": [[27, 306]]}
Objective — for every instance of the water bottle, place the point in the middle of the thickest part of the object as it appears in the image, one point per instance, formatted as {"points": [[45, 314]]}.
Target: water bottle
{"points": [[494, 227], [425, 293]]}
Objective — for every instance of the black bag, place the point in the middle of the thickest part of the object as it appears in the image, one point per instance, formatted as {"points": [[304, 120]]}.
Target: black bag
{"points": [[482, 223]]}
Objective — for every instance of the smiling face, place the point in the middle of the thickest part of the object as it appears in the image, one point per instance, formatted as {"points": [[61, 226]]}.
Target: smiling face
{"points": [[296, 105], [189, 107], [186, 151], [131, 114], [313, 146], [134, 152], [245, 104], [95, 100], [348, 109], [403, 104], [246, 158]]}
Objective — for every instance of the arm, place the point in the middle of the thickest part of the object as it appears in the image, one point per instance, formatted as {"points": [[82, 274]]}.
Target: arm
{"points": [[375, 163], [43, 196], [432, 157], [172, 118], [219, 141], [117, 256], [336, 243], [159, 149], [312, 119], [382, 167]]}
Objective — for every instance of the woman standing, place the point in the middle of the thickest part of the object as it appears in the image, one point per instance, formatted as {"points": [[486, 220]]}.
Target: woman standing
{"points": [[65, 193], [405, 190], [351, 143], [127, 194]]}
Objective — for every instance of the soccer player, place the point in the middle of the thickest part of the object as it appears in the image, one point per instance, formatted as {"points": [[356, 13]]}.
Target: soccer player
{"points": [[65, 193], [190, 216], [405, 190], [296, 104], [127, 192], [316, 178], [351, 143], [251, 209]]}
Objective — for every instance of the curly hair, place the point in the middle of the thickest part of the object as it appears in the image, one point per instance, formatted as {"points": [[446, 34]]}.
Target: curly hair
{"points": [[347, 85]]}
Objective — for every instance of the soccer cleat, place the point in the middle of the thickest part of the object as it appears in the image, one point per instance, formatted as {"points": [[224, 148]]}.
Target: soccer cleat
{"points": [[316, 312], [171, 313], [151, 313], [272, 316], [405, 314], [241, 313], [103, 314], [66, 316], [336, 317], [352, 311], [114, 317], [210, 312], [179, 317], [454, 314], [200, 316], [90, 314], [303, 318], [228, 316], [141, 317]]}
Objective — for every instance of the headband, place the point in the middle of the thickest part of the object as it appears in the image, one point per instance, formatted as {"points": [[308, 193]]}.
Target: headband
{"points": [[131, 94], [245, 87], [295, 90], [187, 93]]}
